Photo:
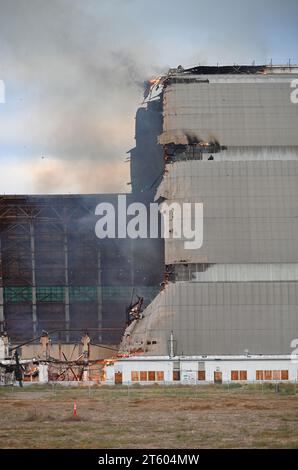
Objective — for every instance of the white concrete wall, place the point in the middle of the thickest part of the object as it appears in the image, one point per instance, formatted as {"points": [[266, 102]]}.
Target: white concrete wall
{"points": [[189, 372], [110, 374], [43, 375], [250, 366], [165, 366], [2, 349], [189, 369]]}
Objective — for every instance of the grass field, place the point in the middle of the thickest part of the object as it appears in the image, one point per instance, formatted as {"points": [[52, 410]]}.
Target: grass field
{"points": [[205, 416]]}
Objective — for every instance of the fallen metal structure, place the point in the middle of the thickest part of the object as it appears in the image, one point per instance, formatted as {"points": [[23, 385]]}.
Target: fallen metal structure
{"points": [[43, 368]]}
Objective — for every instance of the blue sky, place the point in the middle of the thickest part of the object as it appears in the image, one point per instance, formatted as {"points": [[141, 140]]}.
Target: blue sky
{"points": [[73, 71]]}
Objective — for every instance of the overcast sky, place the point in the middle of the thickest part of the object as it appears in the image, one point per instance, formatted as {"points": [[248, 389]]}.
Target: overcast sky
{"points": [[73, 71]]}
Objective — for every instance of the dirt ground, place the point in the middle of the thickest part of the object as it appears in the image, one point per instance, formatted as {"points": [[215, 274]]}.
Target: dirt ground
{"points": [[205, 416]]}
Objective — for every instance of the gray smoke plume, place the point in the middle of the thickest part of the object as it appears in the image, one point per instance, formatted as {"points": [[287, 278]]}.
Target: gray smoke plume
{"points": [[72, 91], [74, 71]]}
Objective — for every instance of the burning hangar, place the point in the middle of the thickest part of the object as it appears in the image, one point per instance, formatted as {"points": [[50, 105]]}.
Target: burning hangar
{"points": [[222, 136], [230, 141]]}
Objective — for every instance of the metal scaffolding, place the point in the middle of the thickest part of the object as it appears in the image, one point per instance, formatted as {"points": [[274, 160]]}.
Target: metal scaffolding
{"points": [[57, 275], [38, 237]]}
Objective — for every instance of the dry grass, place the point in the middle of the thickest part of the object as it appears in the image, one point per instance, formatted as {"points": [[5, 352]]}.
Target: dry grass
{"points": [[149, 417]]}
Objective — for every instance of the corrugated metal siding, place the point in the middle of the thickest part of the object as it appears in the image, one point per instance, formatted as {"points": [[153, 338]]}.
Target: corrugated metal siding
{"points": [[221, 318], [248, 272], [237, 111], [250, 210], [250, 198], [254, 153]]}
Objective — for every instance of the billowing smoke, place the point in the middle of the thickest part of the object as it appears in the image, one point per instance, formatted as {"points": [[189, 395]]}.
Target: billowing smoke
{"points": [[72, 90], [192, 138], [74, 71]]}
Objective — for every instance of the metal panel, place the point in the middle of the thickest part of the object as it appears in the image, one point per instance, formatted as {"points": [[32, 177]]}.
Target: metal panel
{"points": [[246, 297], [234, 110], [250, 210], [258, 317], [248, 272]]}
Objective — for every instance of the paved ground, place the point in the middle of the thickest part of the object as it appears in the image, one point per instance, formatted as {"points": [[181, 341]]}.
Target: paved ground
{"points": [[149, 417]]}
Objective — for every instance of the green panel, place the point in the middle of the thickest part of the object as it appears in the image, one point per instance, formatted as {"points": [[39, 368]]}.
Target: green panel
{"points": [[79, 293], [18, 294], [50, 294]]}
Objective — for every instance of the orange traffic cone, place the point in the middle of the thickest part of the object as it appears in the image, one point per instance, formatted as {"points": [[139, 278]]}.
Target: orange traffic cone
{"points": [[75, 408]]}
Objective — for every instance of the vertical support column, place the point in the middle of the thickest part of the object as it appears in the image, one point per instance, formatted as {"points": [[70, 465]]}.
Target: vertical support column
{"points": [[66, 279], [99, 294], [1, 294], [33, 278], [132, 263]]}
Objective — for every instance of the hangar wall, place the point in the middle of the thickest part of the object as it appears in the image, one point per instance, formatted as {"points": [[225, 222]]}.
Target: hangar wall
{"points": [[218, 318], [230, 142], [250, 210]]}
